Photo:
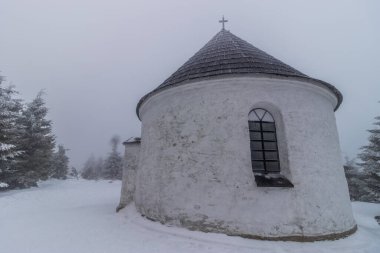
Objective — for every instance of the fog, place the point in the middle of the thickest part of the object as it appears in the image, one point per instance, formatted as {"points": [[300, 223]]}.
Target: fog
{"points": [[96, 59]]}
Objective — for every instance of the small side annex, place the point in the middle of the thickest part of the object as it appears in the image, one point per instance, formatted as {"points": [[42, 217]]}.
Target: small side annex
{"points": [[130, 164]]}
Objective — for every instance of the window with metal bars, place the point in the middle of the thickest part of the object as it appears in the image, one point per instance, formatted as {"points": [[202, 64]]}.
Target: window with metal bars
{"points": [[262, 133]]}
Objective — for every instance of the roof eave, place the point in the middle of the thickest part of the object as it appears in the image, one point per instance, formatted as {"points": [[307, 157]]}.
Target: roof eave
{"points": [[330, 87]]}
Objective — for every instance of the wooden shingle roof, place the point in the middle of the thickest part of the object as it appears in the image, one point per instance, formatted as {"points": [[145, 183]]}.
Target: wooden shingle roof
{"points": [[226, 54]]}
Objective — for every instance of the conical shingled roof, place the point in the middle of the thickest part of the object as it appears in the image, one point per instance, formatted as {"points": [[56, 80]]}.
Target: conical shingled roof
{"points": [[226, 54]]}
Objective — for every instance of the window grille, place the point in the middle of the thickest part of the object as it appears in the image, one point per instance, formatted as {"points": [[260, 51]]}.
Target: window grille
{"points": [[262, 133]]}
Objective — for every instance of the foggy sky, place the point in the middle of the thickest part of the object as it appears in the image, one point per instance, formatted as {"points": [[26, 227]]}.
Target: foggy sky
{"points": [[96, 59]]}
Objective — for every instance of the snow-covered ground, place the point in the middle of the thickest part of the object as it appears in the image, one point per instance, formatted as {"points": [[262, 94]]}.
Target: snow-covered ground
{"points": [[79, 216]]}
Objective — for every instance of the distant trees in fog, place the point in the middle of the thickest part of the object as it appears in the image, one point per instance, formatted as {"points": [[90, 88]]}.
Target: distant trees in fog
{"points": [[110, 168]]}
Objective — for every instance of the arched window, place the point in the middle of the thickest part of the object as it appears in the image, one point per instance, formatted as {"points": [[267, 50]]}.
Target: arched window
{"points": [[264, 150]]}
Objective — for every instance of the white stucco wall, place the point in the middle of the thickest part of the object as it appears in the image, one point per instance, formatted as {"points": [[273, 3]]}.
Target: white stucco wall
{"points": [[130, 165], [195, 167]]}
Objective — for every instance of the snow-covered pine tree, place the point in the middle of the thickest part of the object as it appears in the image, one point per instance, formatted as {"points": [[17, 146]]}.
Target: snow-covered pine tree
{"points": [[356, 180], [10, 108], [370, 157], [114, 162], [59, 166], [37, 143]]}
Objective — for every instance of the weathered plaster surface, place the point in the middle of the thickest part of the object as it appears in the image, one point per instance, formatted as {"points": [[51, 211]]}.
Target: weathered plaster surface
{"points": [[195, 169], [131, 158]]}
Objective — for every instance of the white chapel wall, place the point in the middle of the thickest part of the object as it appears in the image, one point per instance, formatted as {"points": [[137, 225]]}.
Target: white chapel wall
{"points": [[195, 168]]}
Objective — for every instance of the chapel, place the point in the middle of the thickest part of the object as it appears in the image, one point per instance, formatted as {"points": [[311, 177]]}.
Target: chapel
{"points": [[237, 142]]}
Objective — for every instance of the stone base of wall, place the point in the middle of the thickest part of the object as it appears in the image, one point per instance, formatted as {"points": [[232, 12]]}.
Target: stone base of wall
{"points": [[301, 238], [220, 229]]}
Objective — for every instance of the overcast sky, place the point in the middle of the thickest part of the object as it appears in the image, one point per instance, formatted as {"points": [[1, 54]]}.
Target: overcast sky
{"points": [[97, 58]]}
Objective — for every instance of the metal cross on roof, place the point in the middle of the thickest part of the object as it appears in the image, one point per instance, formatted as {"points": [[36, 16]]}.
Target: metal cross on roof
{"points": [[223, 21]]}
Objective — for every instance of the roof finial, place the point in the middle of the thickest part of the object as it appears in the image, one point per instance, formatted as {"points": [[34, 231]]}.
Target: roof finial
{"points": [[223, 21]]}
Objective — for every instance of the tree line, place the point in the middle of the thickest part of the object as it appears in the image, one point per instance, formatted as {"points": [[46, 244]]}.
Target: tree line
{"points": [[28, 151]]}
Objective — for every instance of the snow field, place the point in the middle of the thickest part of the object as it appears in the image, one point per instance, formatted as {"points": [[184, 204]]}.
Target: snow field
{"points": [[79, 216]]}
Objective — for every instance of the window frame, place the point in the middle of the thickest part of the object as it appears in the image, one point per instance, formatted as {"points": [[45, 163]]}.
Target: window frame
{"points": [[257, 136]]}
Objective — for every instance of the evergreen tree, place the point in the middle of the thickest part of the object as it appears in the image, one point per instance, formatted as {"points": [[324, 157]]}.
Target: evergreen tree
{"points": [[370, 157], [73, 173], [114, 162], [59, 166], [10, 108], [37, 143], [356, 179]]}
